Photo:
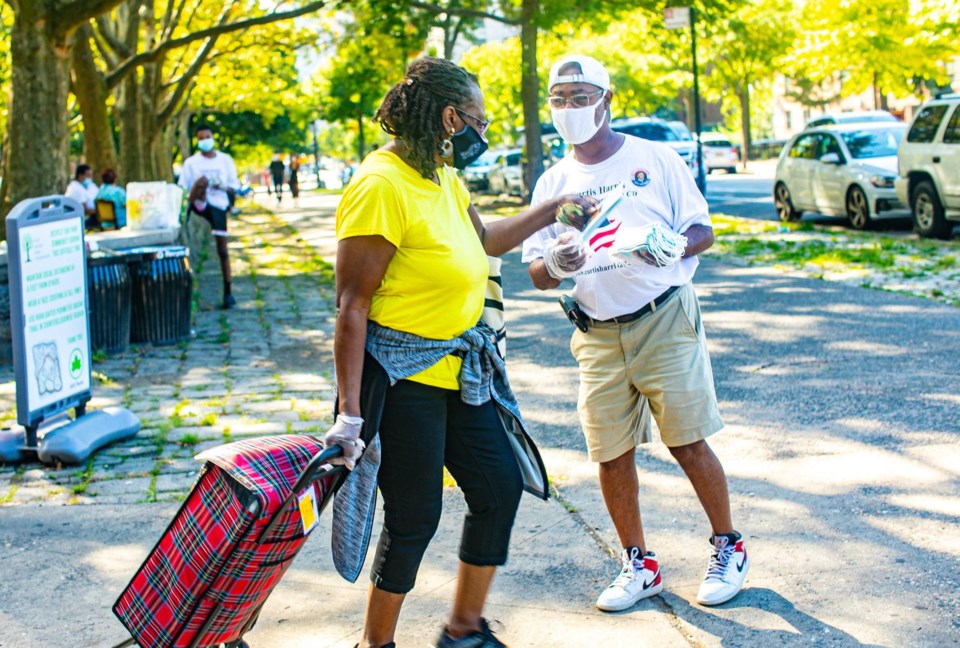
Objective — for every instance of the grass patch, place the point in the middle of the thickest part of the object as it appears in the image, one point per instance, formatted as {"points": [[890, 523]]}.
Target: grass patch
{"points": [[209, 420], [189, 440], [224, 336], [6, 499], [85, 475]]}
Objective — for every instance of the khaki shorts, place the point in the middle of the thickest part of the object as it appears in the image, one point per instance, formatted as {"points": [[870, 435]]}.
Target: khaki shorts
{"points": [[657, 365]]}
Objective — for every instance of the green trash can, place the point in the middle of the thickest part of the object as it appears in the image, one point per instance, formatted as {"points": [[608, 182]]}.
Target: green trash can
{"points": [[162, 294], [108, 290]]}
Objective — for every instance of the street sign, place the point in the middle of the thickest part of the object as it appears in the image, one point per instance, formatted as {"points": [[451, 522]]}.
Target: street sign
{"points": [[48, 306], [676, 17]]}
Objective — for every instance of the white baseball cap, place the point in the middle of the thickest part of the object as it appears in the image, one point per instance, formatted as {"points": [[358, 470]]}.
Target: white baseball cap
{"points": [[592, 72]]}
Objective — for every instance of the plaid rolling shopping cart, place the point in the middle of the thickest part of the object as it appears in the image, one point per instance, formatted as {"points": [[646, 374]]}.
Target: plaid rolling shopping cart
{"points": [[251, 510]]}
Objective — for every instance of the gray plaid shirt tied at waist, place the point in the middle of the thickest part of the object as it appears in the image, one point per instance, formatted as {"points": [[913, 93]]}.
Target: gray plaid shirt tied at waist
{"points": [[483, 376]]}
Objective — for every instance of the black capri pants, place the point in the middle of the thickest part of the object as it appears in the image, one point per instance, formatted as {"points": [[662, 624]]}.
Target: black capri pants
{"points": [[424, 428]]}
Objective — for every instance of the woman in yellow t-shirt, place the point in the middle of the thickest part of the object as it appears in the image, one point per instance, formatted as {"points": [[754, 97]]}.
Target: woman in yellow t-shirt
{"points": [[411, 258]]}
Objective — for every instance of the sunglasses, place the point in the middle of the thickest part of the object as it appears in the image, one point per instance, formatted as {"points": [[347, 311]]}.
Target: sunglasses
{"points": [[481, 124], [577, 100]]}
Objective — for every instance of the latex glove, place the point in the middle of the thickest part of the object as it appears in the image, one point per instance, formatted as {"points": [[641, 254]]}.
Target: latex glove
{"points": [[574, 211], [564, 255], [346, 434]]}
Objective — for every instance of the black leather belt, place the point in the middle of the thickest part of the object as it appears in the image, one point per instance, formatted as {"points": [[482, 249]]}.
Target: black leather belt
{"points": [[647, 308]]}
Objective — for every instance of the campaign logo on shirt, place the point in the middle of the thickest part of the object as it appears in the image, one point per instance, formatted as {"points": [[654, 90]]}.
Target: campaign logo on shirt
{"points": [[641, 177]]}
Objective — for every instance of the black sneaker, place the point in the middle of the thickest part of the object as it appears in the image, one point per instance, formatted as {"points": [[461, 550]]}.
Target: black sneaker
{"points": [[229, 302], [482, 639]]}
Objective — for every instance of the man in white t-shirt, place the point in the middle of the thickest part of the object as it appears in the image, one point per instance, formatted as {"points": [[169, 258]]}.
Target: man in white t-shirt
{"points": [[644, 350], [207, 176], [84, 190]]}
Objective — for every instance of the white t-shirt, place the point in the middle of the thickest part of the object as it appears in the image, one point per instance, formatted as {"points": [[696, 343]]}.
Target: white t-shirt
{"points": [[219, 170], [83, 195], [657, 188]]}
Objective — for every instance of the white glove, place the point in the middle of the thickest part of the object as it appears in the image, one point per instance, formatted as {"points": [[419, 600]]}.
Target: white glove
{"points": [[564, 255], [346, 434]]}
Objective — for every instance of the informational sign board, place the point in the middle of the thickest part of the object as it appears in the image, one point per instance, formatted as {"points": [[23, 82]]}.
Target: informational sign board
{"points": [[48, 306], [676, 17]]}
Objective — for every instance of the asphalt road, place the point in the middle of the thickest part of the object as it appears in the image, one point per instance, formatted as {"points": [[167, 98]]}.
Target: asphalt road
{"points": [[748, 195], [843, 413]]}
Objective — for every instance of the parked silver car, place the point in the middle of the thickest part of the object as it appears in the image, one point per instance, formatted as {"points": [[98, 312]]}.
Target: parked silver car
{"points": [[842, 170], [506, 173]]}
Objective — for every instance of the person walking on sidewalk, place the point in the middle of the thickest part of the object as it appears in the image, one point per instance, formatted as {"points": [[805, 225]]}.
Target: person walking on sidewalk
{"points": [[411, 276], [294, 180], [644, 350], [207, 176], [276, 174]]}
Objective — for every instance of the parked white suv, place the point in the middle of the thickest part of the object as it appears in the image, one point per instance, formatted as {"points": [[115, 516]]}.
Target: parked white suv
{"points": [[929, 167]]}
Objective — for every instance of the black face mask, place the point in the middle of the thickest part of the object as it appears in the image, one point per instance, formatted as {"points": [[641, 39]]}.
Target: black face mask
{"points": [[468, 145]]}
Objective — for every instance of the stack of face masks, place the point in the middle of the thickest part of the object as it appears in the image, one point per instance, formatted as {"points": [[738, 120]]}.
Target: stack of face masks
{"points": [[648, 245]]}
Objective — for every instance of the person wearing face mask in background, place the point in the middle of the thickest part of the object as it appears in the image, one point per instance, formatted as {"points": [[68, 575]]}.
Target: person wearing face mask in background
{"points": [[411, 276], [644, 349], [84, 191], [207, 176]]}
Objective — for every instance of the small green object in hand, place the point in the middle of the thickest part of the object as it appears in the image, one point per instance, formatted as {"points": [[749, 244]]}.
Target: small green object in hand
{"points": [[570, 214]]}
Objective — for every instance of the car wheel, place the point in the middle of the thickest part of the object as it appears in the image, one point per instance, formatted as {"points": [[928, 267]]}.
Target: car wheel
{"points": [[858, 209], [785, 208], [928, 218], [731, 169]]}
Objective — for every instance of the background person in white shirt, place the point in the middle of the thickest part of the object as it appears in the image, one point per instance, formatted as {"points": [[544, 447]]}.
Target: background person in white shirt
{"points": [[645, 350], [207, 175], [84, 191]]}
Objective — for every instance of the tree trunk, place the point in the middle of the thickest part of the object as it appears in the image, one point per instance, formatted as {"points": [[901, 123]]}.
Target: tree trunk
{"points": [[530, 95], [4, 173], [38, 127], [745, 124], [131, 133], [361, 143], [91, 91]]}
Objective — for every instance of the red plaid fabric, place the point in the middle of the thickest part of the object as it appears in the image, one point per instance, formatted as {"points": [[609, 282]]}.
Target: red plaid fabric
{"points": [[206, 579]]}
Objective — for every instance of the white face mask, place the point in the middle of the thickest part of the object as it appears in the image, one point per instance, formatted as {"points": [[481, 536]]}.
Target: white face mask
{"points": [[576, 125]]}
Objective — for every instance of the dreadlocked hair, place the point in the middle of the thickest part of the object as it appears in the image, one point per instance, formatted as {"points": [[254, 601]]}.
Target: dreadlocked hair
{"points": [[413, 109]]}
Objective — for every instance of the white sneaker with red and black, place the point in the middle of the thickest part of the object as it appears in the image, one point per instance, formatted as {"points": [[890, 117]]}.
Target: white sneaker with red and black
{"points": [[639, 578], [728, 567]]}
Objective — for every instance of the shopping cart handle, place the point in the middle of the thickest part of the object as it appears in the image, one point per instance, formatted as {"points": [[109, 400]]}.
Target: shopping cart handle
{"points": [[309, 474]]}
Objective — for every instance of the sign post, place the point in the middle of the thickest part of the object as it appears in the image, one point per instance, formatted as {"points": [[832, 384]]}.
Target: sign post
{"points": [[679, 18], [51, 332]]}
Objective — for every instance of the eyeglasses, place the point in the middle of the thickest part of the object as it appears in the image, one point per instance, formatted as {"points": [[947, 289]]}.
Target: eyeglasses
{"points": [[577, 100], [482, 125]]}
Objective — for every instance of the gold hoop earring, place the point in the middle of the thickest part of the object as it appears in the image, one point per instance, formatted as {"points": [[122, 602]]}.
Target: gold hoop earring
{"points": [[446, 147]]}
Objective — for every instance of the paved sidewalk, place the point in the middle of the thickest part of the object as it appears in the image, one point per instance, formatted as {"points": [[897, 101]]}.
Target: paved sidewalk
{"points": [[843, 413], [71, 537]]}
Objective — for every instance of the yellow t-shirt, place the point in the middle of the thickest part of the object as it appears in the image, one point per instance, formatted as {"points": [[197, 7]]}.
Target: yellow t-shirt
{"points": [[434, 284]]}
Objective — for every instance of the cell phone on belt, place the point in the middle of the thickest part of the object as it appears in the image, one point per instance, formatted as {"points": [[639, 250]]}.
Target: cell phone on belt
{"points": [[572, 310]]}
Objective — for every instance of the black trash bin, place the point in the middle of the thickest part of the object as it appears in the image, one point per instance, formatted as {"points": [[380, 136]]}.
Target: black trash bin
{"points": [[162, 289], [108, 289]]}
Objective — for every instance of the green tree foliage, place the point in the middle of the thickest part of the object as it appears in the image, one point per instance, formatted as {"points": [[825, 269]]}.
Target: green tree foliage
{"points": [[501, 87], [6, 26], [744, 49], [373, 44], [891, 45]]}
